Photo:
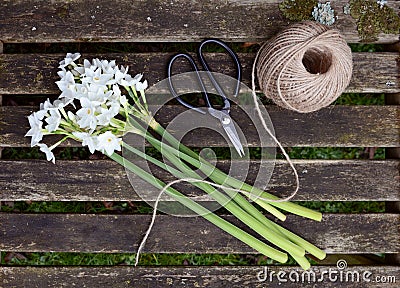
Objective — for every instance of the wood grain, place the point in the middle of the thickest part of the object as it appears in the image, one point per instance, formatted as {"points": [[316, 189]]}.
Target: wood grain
{"points": [[148, 21], [215, 276], [337, 233], [36, 73], [320, 180], [336, 126]]}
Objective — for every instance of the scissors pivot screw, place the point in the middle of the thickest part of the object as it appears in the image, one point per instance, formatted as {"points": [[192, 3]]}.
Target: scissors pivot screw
{"points": [[226, 120]]}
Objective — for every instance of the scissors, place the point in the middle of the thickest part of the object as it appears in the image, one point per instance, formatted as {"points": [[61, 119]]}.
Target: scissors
{"points": [[223, 114]]}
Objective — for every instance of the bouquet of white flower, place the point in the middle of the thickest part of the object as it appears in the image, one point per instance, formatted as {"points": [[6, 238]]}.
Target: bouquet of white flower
{"points": [[100, 103]]}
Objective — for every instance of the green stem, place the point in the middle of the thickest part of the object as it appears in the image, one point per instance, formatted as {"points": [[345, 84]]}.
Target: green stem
{"points": [[270, 224], [245, 212], [310, 248], [205, 213], [222, 178]]}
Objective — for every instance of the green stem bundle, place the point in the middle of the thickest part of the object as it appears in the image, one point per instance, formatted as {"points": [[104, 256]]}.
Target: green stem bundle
{"points": [[179, 155], [224, 179], [205, 213]]}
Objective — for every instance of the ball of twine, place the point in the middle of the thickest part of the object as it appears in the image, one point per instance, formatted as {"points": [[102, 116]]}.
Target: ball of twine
{"points": [[304, 68]]}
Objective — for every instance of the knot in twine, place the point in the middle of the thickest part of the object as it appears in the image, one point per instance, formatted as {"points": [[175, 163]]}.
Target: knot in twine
{"points": [[305, 67]]}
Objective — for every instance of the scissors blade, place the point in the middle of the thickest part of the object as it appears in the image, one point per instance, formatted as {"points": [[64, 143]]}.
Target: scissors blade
{"points": [[227, 124], [234, 138]]}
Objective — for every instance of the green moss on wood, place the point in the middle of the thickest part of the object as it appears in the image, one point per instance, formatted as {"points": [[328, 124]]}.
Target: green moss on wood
{"points": [[63, 11], [39, 77], [373, 19], [298, 10]]}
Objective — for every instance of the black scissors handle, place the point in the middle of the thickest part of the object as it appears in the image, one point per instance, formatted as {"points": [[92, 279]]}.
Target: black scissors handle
{"points": [[209, 73], [200, 81]]}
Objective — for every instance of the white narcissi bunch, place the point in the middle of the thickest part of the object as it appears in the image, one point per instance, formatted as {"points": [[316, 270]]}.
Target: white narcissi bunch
{"points": [[92, 91]]}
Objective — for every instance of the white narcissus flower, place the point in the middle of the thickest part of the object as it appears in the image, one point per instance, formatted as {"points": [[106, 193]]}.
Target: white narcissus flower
{"points": [[81, 91], [44, 108], [123, 100], [116, 93], [138, 77], [108, 142], [46, 105], [96, 77], [49, 155], [62, 73], [87, 118], [120, 74], [86, 65], [97, 93], [53, 121], [66, 82], [69, 59], [141, 86], [87, 140], [67, 86], [128, 81], [68, 95], [36, 129], [105, 116], [105, 65]]}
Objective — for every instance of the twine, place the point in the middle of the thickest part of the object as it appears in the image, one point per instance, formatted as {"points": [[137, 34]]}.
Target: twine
{"points": [[304, 68]]}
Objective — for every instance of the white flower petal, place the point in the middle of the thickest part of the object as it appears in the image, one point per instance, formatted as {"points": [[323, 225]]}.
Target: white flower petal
{"points": [[47, 151], [69, 59], [87, 140], [36, 129], [71, 116], [108, 143], [141, 86], [87, 118], [53, 121]]}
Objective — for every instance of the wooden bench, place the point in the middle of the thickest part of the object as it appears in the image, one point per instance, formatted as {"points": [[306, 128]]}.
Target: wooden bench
{"points": [[29, 75]]}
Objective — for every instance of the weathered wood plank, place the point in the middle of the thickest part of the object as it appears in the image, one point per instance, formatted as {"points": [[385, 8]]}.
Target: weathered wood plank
{"points": [[36, 73], [147, 21], [320, 180], [336, 233], [336, 126], [214, 276]]}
